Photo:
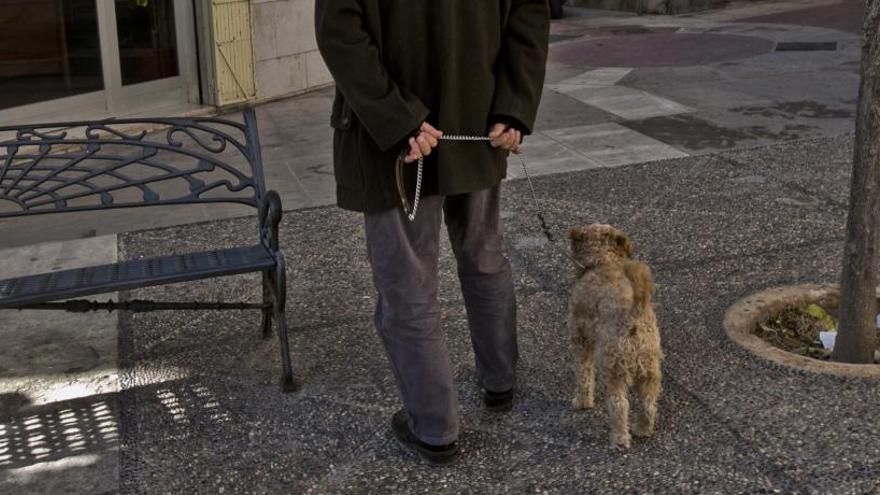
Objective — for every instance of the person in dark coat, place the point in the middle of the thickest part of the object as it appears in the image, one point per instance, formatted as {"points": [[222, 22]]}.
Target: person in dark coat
{"points": [[407, 71]]}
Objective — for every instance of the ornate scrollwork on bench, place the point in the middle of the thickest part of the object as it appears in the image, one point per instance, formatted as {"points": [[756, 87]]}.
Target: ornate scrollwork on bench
{"points": [[76, 166]]}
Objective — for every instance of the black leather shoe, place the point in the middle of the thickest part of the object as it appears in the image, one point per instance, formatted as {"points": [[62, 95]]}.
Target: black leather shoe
{"points": [[435, 455], [498, 401]]}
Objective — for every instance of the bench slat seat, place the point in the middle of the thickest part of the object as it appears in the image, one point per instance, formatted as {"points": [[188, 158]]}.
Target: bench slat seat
{"points": [[66, 284]]}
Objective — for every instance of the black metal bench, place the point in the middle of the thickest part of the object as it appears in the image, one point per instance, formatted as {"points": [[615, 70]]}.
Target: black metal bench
{"points": [[100, 165]]}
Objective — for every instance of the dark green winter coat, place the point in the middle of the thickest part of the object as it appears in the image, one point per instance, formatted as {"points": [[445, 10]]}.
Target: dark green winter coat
{"points": [[460, 65]]}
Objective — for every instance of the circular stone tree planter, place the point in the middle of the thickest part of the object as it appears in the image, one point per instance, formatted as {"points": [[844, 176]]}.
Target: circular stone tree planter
{"points": [[742, 318]]}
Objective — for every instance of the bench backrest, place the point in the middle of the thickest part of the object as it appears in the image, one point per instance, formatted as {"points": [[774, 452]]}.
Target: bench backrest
{"points": [[81, 166]]}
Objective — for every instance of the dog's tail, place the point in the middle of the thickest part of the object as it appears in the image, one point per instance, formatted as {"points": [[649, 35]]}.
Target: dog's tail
{"points": [[639, 275]]}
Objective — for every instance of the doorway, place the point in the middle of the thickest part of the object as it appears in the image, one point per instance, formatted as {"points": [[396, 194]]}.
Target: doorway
{"points": [[83, 59]]}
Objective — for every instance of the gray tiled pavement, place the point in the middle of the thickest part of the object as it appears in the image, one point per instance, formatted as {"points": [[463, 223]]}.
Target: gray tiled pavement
{"points": [[739, 102]]}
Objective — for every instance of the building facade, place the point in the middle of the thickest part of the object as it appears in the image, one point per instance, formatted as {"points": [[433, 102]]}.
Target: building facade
{"points": [[79, 59]]}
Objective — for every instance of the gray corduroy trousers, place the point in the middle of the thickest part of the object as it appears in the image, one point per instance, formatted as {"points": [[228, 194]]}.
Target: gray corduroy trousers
{"points": [[404, 259]]}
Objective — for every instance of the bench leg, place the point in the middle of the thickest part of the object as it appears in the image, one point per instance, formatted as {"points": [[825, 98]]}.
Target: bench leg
{"points": [[268, 298], [288, 383]]}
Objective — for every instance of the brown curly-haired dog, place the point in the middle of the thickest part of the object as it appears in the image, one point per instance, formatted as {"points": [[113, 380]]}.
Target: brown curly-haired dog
{"points": [[614, 328]]}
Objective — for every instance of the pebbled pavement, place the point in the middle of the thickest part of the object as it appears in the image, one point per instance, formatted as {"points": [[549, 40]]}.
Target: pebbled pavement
{"points": [[714, 228]]}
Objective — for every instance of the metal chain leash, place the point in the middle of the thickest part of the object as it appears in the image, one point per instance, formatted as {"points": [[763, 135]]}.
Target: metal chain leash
{"points": [[452, 137], [538, 212]]}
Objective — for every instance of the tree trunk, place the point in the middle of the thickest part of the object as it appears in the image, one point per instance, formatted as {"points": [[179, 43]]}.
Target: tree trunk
{"points": [[857, 335]]}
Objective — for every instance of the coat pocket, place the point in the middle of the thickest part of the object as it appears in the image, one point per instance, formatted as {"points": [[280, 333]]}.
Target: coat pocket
{"points": [[340, 119], [347, 166]]}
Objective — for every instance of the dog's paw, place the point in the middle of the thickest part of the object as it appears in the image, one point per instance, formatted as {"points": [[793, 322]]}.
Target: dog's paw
{"points": [[620, 440], [580, 403], [642, 429]]}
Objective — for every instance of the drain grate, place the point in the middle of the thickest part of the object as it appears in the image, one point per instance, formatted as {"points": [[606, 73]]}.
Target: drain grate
{"points": [[806, 46], [560, 37], [629, 29]]}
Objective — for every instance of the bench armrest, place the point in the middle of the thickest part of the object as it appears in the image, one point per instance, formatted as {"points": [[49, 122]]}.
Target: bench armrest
{"points": [[270, 217]]}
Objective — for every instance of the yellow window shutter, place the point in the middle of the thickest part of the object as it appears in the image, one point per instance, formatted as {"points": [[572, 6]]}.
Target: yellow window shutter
{"points": [[233, 51]]}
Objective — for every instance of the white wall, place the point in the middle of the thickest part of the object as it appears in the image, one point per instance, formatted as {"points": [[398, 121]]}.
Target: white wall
{"points": [[285, 52]]}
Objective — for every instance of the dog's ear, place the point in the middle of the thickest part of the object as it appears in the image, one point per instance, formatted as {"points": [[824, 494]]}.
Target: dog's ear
{"points": [[621, 243], [575, 234]]}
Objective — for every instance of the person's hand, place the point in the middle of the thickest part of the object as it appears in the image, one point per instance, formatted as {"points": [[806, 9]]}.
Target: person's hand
{"points": [[506, 138], [422, 144]]}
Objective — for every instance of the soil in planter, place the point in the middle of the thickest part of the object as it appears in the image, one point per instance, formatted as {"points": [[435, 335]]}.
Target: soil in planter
{"points": [[796, 329]]}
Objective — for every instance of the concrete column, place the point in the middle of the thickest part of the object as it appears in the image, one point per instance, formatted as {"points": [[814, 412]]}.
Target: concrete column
{"points": [[262, 50], [286, 54]]}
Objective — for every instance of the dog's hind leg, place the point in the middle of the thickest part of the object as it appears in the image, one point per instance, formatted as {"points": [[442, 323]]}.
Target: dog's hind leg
{"points": [[618, 407], [647, 392], [584, 394]]}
